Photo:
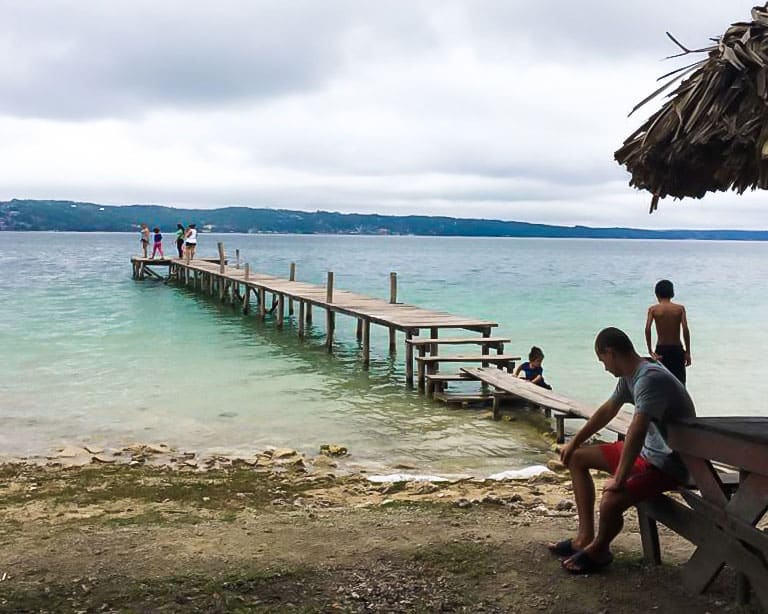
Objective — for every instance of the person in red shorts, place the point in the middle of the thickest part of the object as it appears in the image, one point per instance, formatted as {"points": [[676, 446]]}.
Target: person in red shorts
{"points": [[642, 465]]}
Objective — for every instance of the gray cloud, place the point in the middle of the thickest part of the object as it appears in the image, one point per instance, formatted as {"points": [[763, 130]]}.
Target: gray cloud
{"points": [[508, 109]]}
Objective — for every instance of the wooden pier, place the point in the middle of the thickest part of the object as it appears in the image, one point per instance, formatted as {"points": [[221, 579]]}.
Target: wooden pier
{"points": [[264, 294]]}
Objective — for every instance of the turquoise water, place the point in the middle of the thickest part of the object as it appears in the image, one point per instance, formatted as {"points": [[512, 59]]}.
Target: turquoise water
{"points": [[92, 356]]}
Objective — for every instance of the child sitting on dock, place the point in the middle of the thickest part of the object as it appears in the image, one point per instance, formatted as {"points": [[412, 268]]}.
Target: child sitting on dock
{"points": [[532, 370], [157, 246]]}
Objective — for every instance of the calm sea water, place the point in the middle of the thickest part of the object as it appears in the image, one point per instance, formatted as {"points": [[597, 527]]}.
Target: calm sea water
{"points": [[91, 356]]}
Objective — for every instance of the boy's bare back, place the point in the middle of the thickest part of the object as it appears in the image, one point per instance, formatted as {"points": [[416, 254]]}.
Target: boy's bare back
{"points": [[670, 320]]}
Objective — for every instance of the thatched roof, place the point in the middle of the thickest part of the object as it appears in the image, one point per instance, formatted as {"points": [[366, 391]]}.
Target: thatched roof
{"points": [[712, 133]]}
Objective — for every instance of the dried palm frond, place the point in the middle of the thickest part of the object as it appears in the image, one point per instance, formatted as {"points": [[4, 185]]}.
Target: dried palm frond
{"points": [[712, 133]]}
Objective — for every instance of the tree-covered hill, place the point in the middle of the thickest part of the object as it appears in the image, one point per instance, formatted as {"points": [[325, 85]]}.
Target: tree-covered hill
{"points": [[60, 215]]}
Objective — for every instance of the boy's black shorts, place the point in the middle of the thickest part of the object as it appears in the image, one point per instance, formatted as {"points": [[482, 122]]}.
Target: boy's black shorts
{"points": [[673, 358]]}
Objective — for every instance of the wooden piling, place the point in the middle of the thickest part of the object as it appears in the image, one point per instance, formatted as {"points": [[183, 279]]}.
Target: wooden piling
{"points": [[247, 271], [237, 258], [262, 303], [220, 245], [280, 309], [291, 277], [301, 319], [246, 298], [408, 359], [330, 319], [366, 343], [392, 301]]}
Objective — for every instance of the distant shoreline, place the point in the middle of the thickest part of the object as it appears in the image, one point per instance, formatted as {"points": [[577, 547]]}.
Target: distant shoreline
{"points": [[70, 216]]}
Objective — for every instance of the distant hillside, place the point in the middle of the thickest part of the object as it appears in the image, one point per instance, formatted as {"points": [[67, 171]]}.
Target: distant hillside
{"points": [[89, 217]]}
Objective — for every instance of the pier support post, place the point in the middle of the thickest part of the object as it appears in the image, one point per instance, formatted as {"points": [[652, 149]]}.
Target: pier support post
{"points": [[246, 299], [309, 313], [330, 319], [247, 271], [359, 331], [262, 303], [237, 258], [408, 358], [301, 319], [366, 343], [220, 245], [392, 301], [280, 309], [291, 277]]}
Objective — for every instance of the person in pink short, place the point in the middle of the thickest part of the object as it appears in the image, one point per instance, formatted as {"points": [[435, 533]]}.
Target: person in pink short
{"points": [[157, 242]]}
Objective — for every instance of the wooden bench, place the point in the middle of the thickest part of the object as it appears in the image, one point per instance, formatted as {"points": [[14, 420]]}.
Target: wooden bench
{"points": [[507, 384]]}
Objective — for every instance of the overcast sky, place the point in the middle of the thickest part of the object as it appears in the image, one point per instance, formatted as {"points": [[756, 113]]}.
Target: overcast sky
{"points": [[507, 109]]}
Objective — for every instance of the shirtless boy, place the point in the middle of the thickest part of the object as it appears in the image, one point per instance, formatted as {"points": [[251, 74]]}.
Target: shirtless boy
{"points": [[670, 320]]}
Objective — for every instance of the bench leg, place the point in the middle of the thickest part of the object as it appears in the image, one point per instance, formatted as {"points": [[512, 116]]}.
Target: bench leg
{"points": [[649, 535], [496, 407], [560, 428]]}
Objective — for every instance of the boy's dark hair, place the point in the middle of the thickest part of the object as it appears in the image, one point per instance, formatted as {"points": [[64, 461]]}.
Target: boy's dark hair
{"points": [[155, 229], [665, 289], [535, 354], [614, 339]]}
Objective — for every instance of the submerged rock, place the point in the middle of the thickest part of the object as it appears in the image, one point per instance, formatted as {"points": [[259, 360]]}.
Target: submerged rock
{"points": [[333, 449]]}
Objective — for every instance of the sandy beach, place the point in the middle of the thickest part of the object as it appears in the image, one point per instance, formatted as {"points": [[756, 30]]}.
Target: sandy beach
{"points": [[281, 532]]}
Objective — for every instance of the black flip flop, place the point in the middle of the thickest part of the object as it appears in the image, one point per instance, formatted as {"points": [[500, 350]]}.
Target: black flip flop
{"points": [[586, 564], [563, 548]]}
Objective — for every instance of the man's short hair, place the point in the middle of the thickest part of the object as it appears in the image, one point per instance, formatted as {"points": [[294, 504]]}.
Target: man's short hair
{"points": [[665, 289], [615, 339]]}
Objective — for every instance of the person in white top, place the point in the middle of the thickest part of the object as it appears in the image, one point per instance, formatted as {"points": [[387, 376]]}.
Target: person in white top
{"points": [[190, 242]]}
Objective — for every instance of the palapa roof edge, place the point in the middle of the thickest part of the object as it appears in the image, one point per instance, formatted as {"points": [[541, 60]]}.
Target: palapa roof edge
{"points": [[712, 132]]}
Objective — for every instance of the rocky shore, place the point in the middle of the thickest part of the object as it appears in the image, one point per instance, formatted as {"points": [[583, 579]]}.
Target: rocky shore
{"points": [[148, 528]]}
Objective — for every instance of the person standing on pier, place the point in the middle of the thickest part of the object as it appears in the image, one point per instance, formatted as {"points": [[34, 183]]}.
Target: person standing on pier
{"points": [[180, 232], [671, 322], [144, 238], [190, 242], [157, 245]]}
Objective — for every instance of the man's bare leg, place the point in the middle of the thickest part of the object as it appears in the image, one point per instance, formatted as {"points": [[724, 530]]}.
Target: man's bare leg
{"points": [[584, 459]]}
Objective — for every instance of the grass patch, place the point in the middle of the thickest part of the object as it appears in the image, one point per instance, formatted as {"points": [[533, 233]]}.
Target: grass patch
{"points": [[466, 559]]}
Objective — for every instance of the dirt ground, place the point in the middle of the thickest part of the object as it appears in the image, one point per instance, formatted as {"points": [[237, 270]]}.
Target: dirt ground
{"points": [[112, 538]]}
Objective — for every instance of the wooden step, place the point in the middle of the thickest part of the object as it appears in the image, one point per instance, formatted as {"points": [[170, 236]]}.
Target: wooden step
{"points": [[437, 381], [448, 377], [490, 358], [460, 398], [418, 341]]}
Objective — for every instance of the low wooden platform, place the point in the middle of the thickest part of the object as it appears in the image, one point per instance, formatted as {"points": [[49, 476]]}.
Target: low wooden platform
{"points": [[508, 384]]}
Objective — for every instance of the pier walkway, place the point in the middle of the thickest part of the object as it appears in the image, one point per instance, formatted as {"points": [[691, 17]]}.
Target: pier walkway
{"points": [[249, 290]]}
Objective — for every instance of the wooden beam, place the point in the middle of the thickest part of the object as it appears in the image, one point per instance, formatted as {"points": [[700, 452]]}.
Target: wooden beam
{"points": [[366, 343]]}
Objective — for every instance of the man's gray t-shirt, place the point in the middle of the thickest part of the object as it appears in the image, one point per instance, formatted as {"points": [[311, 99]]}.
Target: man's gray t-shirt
{"points": [[654, 391]]}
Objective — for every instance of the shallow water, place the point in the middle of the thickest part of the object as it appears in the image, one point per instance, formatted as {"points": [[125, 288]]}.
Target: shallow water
{"points": [[90, 355]]}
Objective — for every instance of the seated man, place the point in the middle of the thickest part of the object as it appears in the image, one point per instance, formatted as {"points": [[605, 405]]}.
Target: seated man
{"points": [[643, 465]]}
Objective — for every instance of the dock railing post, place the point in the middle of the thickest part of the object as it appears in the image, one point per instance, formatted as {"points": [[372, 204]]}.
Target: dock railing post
{"points": [[291, 277], [330, 320], [247, 271], [393, 301], [221, 256], [237, 258]]}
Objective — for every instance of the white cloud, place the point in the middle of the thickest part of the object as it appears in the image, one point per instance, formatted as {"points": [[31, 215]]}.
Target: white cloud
{"points": [[507, 110]]}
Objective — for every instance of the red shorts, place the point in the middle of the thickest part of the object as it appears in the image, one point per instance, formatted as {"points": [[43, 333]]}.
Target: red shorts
{"points": [[645, 480]]}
